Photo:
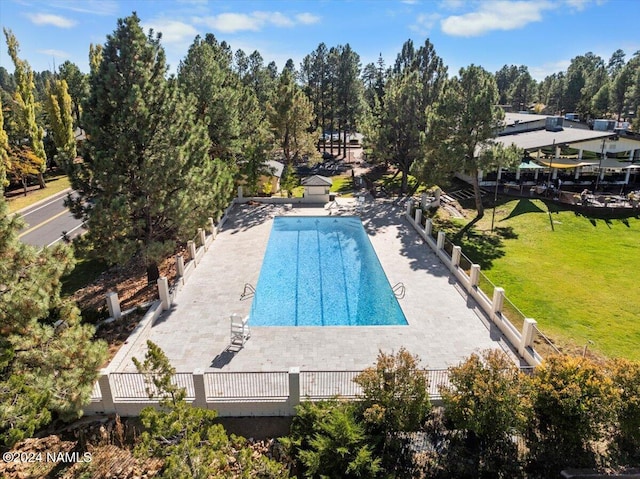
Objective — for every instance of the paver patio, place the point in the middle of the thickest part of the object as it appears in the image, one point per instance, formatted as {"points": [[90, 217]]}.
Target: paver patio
{"points": [[444, 326]]}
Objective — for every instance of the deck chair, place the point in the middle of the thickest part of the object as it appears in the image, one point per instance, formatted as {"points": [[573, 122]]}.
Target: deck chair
{"points": [[240, 331]]}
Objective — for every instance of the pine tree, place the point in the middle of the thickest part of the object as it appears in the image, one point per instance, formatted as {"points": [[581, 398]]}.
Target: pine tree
{"points": [[48, 358], [147, 181], [189, 439], [58, 105], [417, 82], [291, 116], [26, 105], [206, 74], [460, 131]]}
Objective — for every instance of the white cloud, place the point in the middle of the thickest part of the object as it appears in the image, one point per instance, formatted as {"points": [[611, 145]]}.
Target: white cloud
{"points": [[540, 72], [307, 18], [231, 22], [409, 2], [495, 15], [255, 21], [172, 31], [577, 4], [451, 4], [274, 18], [96, 7], [55, 53], [49, 19], [425, 23]]}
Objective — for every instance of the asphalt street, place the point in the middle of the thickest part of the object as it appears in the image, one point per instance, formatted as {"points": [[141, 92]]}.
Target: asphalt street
{"points": [[46, 223]]}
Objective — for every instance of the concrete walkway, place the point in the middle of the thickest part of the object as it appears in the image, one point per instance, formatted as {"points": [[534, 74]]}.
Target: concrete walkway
{"points": [[444, 326]]}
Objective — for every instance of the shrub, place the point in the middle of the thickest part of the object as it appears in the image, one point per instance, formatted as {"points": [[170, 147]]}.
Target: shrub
{"points": [[189, 439], [626, 437], [486, 408], [327, 440], [395, 401], [573, 401]]}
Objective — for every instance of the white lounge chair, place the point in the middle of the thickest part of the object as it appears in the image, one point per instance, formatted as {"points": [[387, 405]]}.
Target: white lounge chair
{"points": [[240, 331]]}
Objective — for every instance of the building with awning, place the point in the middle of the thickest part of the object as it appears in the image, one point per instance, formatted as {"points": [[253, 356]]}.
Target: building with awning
{"points": [[537, 134]]}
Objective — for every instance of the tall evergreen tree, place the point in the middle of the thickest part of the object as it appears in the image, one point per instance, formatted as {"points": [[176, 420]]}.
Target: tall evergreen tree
{"points": [[78, 86], [48, 358], [58, 106], [147, 181], [24, 99], [417, 82], [616, 63], [313, 74], [206, 73], [461, 128], [291, 116], [350, 93]]}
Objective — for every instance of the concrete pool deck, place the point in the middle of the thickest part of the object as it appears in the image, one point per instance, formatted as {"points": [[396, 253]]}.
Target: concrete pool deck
{"points": [[444, 325]]}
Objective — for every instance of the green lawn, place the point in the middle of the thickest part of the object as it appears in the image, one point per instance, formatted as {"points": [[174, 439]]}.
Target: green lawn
{"points": [[342, 184], [55, 184], [85, 272], [580, 281]]}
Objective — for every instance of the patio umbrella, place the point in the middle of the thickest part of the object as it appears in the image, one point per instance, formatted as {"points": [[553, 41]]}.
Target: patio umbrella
{"points": [[529, 166]]}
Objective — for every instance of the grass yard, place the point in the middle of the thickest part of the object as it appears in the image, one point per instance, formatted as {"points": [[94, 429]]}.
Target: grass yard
{"points": [[55, 184], [580, 281]]}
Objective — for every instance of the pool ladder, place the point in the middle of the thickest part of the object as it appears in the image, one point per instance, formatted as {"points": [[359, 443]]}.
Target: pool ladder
{"points": [[248, 292], [399, 290]]}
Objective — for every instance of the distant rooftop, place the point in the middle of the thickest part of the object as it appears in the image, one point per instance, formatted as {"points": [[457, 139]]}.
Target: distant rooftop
{"points": [[533, 140], [317, 180]]}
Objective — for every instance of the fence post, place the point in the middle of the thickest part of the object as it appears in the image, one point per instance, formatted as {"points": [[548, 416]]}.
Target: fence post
{"points": [[498, 301], [455, 257], [113, 304], [441, 238], [191, 246], [203, 238], [240, 192], [163, 292], [428, 225], [474, 276], [528, 335], [108, 406], [418, 217], [180, 267], [294, 388], [212, 226], [199, 390], [423, 201], [409, 204]]}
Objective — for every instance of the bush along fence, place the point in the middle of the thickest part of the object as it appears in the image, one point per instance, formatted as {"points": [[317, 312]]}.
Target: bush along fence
{"points": [[522, 332]]}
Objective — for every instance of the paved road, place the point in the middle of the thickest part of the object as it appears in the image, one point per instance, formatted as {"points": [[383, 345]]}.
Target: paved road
{"points": [[46, 222]]}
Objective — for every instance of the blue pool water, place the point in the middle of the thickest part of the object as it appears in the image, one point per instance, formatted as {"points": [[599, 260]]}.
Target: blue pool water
{"points": [[322, 271]]}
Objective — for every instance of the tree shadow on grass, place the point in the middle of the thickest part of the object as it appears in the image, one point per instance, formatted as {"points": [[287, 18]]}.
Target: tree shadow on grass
{"points": [[480, 248], [608, 221], [524, 206]]}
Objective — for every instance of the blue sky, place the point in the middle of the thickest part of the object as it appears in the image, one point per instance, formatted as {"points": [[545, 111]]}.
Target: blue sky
{"points": [[542, 34]]}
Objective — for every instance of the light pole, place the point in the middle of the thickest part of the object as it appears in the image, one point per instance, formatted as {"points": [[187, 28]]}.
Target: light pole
{"points": [[553, 153], [600, 165], [495, 201]]}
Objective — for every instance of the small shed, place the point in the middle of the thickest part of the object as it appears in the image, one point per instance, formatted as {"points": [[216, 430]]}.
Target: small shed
{"points": [[316, 189]]}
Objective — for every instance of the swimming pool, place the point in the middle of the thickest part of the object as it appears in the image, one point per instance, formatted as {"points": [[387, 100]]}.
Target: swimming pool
{"points": [[322, 271]]}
